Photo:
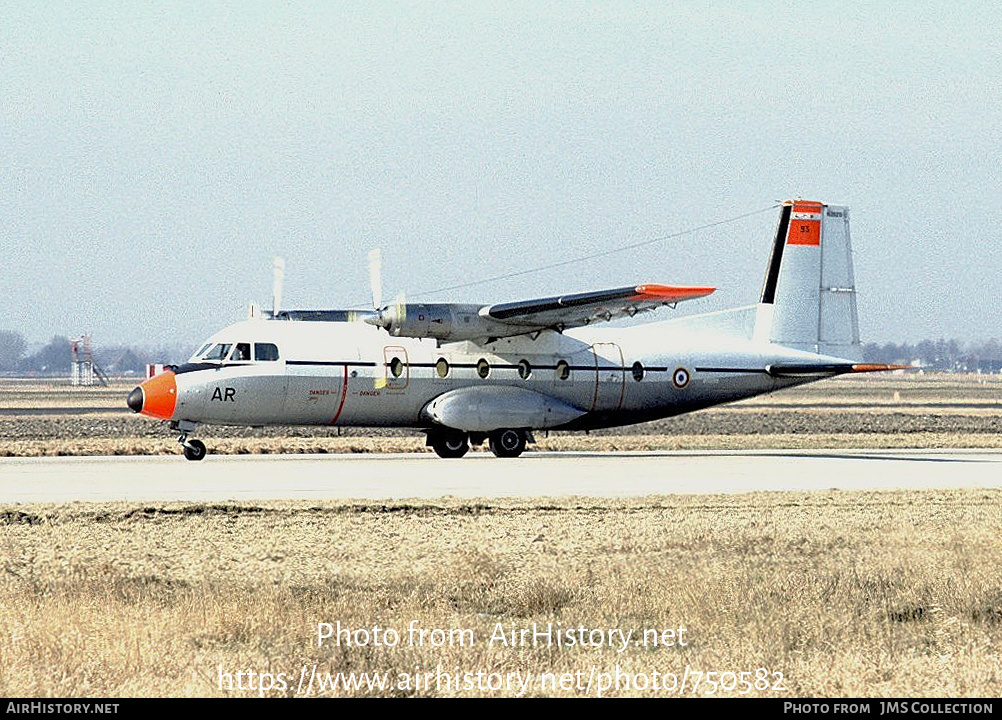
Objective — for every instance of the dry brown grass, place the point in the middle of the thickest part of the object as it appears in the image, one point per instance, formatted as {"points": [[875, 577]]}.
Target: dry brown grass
{"points": [[555, 443], [845, 593], [221, 446]]}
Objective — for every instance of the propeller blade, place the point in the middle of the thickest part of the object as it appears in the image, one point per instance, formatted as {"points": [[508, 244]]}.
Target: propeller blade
{"points": [[375, 277], [276, 288], [401, 306]]}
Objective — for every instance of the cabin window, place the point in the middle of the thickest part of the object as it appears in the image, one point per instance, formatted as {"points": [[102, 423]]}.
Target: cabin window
{"points": [[483, 368], [265, 352], [442, 368], [524, 369], [563, 370], [638, 371], [396, 367]]}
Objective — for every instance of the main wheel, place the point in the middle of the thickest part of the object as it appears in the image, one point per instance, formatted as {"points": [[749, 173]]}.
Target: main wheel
{"points": [[194, 450], [507, 442], [450, 443]]}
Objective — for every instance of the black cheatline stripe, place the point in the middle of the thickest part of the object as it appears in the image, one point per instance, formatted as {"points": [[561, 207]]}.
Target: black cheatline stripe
{"points": [[534, 368], [776, 259], [731, 370], [194, 367], [335, 363], [471, 366], [501, 367]]}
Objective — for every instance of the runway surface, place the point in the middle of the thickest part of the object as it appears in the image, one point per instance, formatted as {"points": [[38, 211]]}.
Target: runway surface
{"points": [[377, 477]]}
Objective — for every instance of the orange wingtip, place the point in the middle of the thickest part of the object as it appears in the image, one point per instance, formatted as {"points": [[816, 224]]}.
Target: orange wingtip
{"points": [[871, 367], [668, 293]]}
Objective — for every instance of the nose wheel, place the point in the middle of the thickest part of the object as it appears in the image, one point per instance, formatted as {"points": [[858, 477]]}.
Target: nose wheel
{"points": [[193, 449]]}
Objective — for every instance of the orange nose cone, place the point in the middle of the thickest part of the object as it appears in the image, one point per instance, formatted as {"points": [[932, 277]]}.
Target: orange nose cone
{"points": [[160, 396]]}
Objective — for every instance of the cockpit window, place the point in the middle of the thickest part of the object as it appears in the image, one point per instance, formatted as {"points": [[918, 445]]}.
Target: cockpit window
{"points": [[265, 351], [241, 352], [236, 352], [218, 352]]}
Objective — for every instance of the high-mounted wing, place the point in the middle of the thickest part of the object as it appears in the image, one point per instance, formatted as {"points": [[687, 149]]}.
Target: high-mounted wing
{"points": [[567, 311], [453, 321]]}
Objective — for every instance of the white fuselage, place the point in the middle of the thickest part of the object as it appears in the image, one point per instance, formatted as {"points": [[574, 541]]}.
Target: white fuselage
{"points": [[332, 373]]}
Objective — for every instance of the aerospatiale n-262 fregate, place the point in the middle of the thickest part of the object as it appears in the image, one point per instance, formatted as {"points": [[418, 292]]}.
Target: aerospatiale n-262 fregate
{"points": [[465, 373]]}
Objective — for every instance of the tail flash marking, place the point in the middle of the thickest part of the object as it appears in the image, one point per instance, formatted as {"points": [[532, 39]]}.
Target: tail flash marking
{"points": [[805, 223]]}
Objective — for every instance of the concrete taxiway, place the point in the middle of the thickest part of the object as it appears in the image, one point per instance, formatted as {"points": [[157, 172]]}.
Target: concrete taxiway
{"points": [[376, 477]]}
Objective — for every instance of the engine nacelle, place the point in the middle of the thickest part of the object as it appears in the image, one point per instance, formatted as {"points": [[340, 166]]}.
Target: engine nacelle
{"points": [[442, 321]]}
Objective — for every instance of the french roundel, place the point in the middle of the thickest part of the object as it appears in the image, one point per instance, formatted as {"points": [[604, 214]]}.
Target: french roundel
{"points": [[680, 378]]}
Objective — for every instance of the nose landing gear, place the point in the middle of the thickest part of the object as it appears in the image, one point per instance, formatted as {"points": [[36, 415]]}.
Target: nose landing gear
{"points": [[193, 449]]}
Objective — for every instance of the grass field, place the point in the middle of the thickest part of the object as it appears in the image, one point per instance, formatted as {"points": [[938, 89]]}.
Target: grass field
{"points": [[822, 594], [829, 593]]}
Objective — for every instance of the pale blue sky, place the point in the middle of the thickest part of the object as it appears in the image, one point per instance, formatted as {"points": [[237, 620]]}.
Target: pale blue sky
{"points": [[157, 156]]}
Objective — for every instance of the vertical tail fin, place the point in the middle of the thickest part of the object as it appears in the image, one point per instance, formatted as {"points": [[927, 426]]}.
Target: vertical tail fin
{"points": [[809, 296]]}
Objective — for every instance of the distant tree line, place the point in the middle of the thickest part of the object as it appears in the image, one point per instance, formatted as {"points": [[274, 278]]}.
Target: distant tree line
{"points": [[939, 355], [56, 356]]}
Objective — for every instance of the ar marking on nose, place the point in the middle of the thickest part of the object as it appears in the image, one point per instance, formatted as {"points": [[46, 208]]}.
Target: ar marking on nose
{"points": [[218, 394]]}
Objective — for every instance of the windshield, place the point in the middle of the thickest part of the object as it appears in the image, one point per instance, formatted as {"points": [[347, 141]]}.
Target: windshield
{"points": [[219, 351], [236, 352]]}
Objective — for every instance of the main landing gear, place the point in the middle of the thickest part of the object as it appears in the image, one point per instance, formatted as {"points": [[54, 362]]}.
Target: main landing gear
{"points": [[449, 443], [193, 449], [504, 443], [507, 443]]}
